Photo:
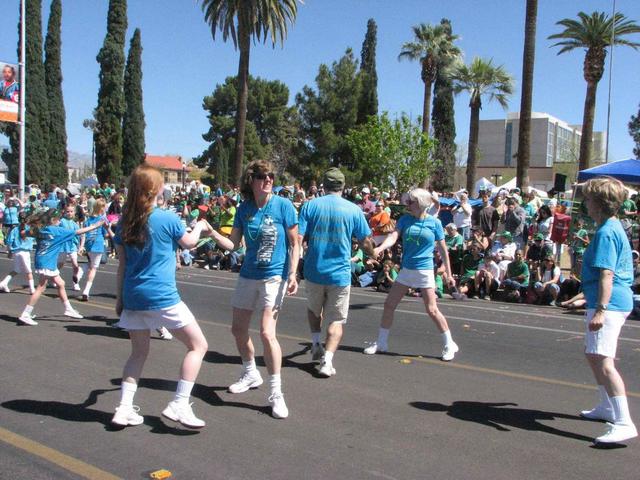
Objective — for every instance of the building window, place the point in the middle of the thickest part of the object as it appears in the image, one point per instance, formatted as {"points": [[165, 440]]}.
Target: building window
{"points": [[507, 145], [166, 177]]}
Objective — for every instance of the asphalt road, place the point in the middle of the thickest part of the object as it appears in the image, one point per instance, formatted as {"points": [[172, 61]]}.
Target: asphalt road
{"points": [[505, 408]]}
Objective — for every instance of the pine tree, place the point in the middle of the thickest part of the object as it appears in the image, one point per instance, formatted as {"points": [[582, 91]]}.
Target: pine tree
{"points": [[58, 156], [37, 117], [111, 104], [368, 101], [444, 126], [634, 131], [133, 124]]}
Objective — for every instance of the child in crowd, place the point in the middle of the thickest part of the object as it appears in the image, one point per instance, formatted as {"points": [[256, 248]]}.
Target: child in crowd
{"points": [[386, 277], [487, 278], [70, 249], [579, 244], [20, 246], [94, 244], [50, 237]]}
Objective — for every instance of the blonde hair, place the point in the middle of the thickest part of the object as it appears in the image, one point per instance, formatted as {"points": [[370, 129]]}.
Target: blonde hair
{"points": [[144, 186], [422, 196], [98, 207], [608, 192]]}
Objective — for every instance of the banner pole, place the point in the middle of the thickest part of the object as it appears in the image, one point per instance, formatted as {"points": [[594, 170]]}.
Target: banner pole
{"points": [[23, 90]]}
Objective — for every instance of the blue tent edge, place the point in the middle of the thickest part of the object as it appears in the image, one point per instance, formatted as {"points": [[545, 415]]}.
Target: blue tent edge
{"points": [[627, 171]]}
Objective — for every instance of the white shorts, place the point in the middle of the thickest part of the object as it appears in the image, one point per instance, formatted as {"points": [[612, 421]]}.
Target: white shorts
{"points": [[332, 301], [22, 262], [259, 294], [416, 278], [604, 341], [67, 257], [47, 273], [94, 260], [172, 318]]}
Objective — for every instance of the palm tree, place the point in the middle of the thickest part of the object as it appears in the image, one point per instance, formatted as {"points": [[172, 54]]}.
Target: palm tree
{"points": [[243, 20], [524, 124], [481, 78], [593, 33], [432, 46]]}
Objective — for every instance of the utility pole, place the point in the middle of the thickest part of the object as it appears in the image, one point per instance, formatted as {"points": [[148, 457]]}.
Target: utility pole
{"points": [[23, 91]]}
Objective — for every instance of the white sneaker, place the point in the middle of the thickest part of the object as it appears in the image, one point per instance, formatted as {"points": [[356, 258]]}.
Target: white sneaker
{"points": [[32, 291], [449, 351], [73, 313], [278, 406], [247, 380], [207, 267], [5, 288], [326, 370], [183, 413], [618, 433], [116, 325], [598, 413], [374, 348], [76, 287], [317, 352], [127, 415], [164, 333], [27, 320]]}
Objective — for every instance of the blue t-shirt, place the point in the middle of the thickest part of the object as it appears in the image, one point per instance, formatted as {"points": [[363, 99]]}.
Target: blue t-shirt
{"points": [[11, 216], [50, 241], [71, 245], [418, 240], [18, 244], [150, 270], [609, 249], [329, 223], [94, 240], [51, 203], [265, 233]]}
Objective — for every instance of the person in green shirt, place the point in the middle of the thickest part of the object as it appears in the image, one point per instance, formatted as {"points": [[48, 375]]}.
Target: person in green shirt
{"points": [[386, 277], [578, 244], [470, 264], [517, 276], [627, 215], [455, 246], [357, 261]]}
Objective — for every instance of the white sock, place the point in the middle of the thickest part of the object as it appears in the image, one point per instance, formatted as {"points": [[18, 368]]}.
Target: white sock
{"points": [[249, 366], [183, 392], [604, 398], [127, 392], [28, 309], [31, 285], [275, 384], [6, 280], [87, 288], [315, 337], [446, 337], [621, 410], [328, 357], [383, 336], [67, 305]]}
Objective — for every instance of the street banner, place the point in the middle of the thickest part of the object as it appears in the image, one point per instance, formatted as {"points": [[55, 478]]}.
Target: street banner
{"points": [[9, 92]]}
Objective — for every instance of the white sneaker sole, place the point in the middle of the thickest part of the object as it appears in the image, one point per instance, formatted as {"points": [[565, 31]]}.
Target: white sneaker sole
{"points": [[451, 354], [326, 373], [171, 415], [596, 416], [127, 423], [27, 321], [254, 384]]}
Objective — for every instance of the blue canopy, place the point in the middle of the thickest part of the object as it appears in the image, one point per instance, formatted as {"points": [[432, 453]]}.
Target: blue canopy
{"points": [[627, 171]]}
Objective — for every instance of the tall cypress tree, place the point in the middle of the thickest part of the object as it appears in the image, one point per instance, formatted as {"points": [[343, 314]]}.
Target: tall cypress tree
{"points": [[111, 105], [368, 101], [58, 156], [133, 124], [444, 126], [37, 117]]}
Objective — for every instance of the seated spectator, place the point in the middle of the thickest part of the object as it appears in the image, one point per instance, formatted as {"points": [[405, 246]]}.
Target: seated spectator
{"points": [[357, 262], [546, 290], [478, 237], [455, 246], [578, 301], [504, 250], [488, 277], [385, 277], [380, 223], [516, 279], [470, 264], [579, 244], [537, 251]]}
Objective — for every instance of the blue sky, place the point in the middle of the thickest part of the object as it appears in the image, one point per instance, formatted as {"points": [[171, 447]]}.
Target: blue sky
{"points": [[182, 64]]}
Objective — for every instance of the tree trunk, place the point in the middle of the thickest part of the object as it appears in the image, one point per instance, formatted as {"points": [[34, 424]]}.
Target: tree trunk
{"points": [[473, 145], [243, 93], [426, 105], [524, 125], [586, 142]]}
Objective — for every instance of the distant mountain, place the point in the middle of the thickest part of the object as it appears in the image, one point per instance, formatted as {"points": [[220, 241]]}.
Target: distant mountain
{"points": [[79, 160]]}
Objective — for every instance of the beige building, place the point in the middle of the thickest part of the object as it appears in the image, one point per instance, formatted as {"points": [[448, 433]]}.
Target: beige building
{"points": [[555, 147], [173, 168]]}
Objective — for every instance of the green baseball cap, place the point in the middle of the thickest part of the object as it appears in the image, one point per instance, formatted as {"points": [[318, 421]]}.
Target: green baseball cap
{"points": [[333, 178]]}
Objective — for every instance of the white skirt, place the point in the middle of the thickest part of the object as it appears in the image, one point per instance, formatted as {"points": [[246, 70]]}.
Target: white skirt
{"points": [[416, 278]]}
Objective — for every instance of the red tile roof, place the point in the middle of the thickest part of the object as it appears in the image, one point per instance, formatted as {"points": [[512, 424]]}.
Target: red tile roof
{"points": [[164, 163]]}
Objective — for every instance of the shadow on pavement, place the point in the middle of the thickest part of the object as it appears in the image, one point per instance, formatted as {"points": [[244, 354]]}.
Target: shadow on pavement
{"points": [[103, 331], [55, 318], [501, 416]]}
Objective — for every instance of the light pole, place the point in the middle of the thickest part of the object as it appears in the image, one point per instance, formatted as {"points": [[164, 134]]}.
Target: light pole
{"points": [[184, 176], [23, 94], [92, 125], [497, 177]]}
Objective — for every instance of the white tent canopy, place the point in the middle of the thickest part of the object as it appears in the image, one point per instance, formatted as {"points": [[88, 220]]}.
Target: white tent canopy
{"points": [[91, 181], [482, 184]]}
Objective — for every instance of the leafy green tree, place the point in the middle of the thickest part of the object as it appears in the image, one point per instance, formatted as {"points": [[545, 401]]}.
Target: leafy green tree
{"points": [[443, 121], [368, 102], [432, 45], [327, 114], [634, 131], [594, 34], [37, 105], [242, 21], [111, 104], [133, 124], [271, 125], [480, 79], [58, 156], [524, 124], [397, 154]]}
